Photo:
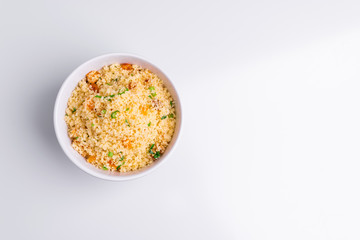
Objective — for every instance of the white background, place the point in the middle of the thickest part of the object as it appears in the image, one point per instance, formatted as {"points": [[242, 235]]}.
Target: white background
{"points": [[271, 135]]}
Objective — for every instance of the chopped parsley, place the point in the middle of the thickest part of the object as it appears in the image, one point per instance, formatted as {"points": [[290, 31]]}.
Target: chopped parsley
{"points": [[112, 95], [77, 138], [128, 124], [152, 94], [127, 109], [105, 168], [149, 124], [74, 110], [120, 93], [121, 162], [108, 84], [171, 115], [92, 124], [171, 103], [110, 154], [163, 117], [113, 114], [157, 155], [98, 96], [150, 150], [132, 74], [103, 111], [118, 167]]}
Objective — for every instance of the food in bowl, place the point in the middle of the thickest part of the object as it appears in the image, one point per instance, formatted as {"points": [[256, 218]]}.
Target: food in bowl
{"points": [[121, 117]]}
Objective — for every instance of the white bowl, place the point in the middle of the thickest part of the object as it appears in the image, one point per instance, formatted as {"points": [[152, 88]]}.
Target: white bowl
{"points": [[61, 103]]}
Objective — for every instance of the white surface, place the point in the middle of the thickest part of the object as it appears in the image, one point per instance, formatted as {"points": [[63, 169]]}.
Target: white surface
{"points": [[270, 147], [61, 129]]}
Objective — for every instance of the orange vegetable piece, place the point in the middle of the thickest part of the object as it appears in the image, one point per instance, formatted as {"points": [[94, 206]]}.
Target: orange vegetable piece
{"points": [[144, 110], [94, 87], [90, 104], [112, 165], [126, 66], [92, 76], [91, 159], [127, 143]]}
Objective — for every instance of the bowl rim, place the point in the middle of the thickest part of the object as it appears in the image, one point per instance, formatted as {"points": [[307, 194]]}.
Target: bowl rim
{"points": [[103, 175]]}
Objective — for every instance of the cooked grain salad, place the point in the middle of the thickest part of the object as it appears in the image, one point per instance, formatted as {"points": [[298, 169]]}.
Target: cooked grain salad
{"points": [[120, 118]]}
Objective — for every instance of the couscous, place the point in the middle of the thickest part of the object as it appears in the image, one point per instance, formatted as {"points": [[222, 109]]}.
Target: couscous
{"points": [[121, 117]]}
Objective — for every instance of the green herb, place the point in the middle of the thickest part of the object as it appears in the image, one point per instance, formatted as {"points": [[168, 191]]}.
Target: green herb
{"points": [[171, 115], [100, 78], [103, 111], [113, 114], [163, 117], [149, 124], [171, 103], [76, 138], [127, 109], [152, 94], [92, 124], [118, 167], [109, 100], [98, 96], [110, 154], [108, 84], [150, 150], [105, 168], [99, 116], [74, 110], [120, 93], [66, 114], [112, 95], [122, 158], [132, 74], [157, 155], [115, 79], [127, 122]]}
